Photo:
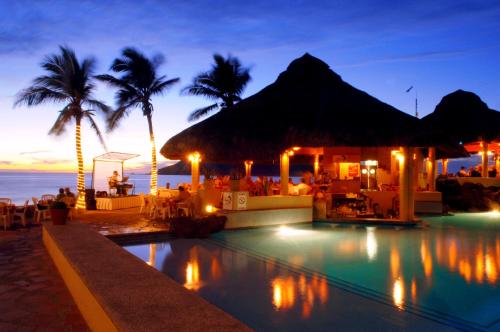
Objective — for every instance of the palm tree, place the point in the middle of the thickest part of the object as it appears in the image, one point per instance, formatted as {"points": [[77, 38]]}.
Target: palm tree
{"points": [[224, 83], [68, 82], [138, 83]]}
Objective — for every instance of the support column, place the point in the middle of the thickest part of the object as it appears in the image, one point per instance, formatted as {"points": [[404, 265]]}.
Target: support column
{"points": [[418, 167], [484, 172], [406, 184], [248, 168], [316, 167], [444, 163], [497, 163], [431, 169], [394, 167], [284, 173], [195, 159]]}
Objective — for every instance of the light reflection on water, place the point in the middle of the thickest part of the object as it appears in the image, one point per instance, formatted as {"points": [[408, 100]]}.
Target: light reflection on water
{"points": [[450, 267]]}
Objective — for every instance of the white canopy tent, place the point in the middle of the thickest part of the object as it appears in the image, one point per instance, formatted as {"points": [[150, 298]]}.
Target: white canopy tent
{"points": [[104, 166]]}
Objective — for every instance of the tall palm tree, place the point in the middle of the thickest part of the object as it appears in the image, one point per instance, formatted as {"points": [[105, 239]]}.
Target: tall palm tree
{"points": [[224, 83], [68, 82], [138, 83]]}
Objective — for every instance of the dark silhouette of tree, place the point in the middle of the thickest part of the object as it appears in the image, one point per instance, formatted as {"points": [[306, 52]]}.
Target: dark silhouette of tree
{"points": [[137, 84], [224, 83], [68, 82]]}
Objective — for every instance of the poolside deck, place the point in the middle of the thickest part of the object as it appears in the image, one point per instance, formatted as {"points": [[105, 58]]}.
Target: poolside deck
{"points": [[120, 222]]}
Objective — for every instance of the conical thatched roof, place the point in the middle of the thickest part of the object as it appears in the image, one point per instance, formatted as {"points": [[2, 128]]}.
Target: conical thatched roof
{"points": [[464, 117], [308, 105]]}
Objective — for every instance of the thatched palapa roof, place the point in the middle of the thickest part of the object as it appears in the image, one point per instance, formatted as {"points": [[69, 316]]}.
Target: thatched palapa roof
{"points": [[464, 117], [309, 105]]}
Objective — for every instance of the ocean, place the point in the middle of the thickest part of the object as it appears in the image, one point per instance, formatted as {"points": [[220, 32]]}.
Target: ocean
{"points": [[21, 186]]}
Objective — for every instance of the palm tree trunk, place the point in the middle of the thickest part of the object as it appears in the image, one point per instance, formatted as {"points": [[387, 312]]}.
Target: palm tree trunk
{"points": [[154, 172], [80, 204]]}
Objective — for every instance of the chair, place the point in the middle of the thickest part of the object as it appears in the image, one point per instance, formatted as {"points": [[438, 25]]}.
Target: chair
{"points": [[162, 209], [39, 214], [21, 213], [144, 203], [5, 216], [184, 208], [5, 200], [48, 197]]}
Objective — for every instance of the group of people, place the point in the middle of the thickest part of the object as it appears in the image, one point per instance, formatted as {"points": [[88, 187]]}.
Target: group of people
{"points": [[65, 195], [476, 172]]}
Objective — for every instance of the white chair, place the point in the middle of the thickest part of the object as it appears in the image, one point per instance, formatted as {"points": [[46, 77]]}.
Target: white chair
{"points": [[39, 214], [21, 213], [183, 209], [6, 200], [48, 197], [144, 203], [162, 209]]}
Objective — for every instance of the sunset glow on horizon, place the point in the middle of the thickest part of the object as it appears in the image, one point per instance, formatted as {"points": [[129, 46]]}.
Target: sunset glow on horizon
{"points": [[374, 46]]}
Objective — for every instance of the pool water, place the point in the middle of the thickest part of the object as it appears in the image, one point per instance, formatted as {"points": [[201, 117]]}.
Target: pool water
{"points": [[320, 277]]}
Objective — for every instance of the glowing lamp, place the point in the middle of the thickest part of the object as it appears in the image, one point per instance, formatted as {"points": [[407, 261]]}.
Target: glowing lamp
{"points": [[209, 208], [296, 148], [194, 157], [290, 153], [364, 171]]}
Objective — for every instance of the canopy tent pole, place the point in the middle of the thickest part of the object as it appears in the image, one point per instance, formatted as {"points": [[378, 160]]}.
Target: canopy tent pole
{"points": [[93, 173], [284, 173], [431, 169], [484, 172], [406, 184]]}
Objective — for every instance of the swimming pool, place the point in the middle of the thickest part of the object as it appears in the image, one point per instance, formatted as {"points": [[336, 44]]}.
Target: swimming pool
{"points": [[320, 277]]}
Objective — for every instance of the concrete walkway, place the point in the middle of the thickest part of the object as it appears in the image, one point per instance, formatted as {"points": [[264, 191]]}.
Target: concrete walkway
{"points": [[33, 297]]}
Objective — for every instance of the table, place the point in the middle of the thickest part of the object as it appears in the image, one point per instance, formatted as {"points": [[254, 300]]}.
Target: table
{"points": [[116, 203]]}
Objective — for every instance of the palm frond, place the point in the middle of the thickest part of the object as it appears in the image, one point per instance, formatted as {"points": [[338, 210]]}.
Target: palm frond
{"points": [[59, 127], [201, 112], [93, 125], [160, 86], [37, 95], [98, 105], [225, 81], [116, 116]]}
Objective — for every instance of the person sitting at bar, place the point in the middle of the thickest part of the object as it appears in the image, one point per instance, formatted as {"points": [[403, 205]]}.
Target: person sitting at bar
{"points": [[303, 188], [475, 172], [462, 172]]}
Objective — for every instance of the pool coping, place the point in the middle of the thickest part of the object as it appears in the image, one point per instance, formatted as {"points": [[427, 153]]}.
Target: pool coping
{"points": [[144, 299]]}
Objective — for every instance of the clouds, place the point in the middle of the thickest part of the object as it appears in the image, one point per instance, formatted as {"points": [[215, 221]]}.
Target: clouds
{"points": [[218, 25]]}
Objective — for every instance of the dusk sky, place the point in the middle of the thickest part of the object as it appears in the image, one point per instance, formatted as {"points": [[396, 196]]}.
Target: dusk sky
{"points": [[381, 47]]}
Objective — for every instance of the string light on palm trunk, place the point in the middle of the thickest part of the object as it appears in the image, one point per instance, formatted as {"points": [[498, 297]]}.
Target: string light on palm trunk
{"points": [[80, 204], [154, 171]]}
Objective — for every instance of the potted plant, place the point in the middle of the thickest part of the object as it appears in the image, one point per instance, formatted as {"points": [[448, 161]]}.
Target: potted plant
{"points": [[58, 212]]}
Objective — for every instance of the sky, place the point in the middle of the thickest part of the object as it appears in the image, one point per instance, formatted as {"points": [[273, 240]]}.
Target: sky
{"points": [[381, 47]]}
